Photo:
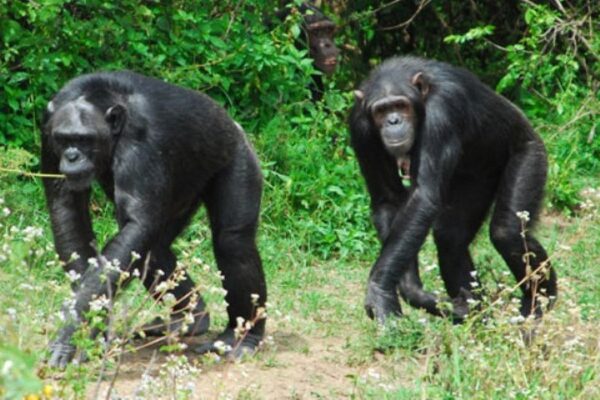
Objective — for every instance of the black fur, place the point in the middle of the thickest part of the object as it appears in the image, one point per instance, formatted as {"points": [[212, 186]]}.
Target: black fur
{"points": [[472, 148], [158, 151]]}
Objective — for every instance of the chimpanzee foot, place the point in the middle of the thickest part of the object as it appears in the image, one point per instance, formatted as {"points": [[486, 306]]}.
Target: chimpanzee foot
{"points": [[177, 323], [530, 307], [460, 306], [230, 347], [380, 304]]}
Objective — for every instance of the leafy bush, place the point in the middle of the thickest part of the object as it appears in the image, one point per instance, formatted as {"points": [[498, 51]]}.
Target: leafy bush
{"points": [[224, 50], [549, 73]]}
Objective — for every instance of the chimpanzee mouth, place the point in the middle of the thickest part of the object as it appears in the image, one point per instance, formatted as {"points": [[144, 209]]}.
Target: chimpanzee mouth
{"points": [[79, 182], [397, 143], [329, 65]]}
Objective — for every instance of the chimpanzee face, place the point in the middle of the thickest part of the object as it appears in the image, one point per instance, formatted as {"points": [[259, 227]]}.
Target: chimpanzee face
{"points": [[322, 48], [82, 137], [395, 110], [394, 117]]}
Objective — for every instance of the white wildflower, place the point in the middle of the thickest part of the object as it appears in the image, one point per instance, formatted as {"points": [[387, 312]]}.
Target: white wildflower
{"points": [[523, 216], [8, 364], [516, 320], [221, 346], [93, 262], [99, 303], [73, 275]]}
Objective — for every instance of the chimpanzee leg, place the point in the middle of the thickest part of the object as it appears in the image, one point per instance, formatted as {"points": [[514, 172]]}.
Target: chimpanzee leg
{"points": [[162, 258], [468, 203], [521, 189], [233, 203]]}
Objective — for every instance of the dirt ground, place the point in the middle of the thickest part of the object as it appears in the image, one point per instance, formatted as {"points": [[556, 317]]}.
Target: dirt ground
{"points": [[291, 367]]}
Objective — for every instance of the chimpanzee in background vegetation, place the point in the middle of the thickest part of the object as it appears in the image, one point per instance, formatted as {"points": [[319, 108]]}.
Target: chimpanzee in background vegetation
{"points": [[158, 151], [464, 147], [319, 32]]}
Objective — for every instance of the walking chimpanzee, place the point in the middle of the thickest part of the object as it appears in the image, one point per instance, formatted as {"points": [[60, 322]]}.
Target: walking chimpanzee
{"points": [[464, 147], [158, 151]]}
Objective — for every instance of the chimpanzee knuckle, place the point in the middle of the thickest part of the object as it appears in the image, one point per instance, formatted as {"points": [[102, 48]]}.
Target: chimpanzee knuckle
{"points": [[61, 354]]}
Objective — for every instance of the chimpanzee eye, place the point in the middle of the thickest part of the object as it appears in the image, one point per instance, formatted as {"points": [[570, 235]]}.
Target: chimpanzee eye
{"points": [[401, 106], [73, 139]]}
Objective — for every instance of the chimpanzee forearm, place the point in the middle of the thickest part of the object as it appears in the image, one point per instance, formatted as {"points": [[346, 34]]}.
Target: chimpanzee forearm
{"points": [[408, 232], [381, 176], [103, 278], [71, 226]]}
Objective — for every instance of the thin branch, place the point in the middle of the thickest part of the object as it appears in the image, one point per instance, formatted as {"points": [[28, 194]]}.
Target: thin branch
{"points": [[31, 174], [420, 8]]}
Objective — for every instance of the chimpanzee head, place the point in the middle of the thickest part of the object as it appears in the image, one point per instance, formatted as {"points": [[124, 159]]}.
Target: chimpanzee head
{"points": [[320, 32], [82, 136], [396, 110]]}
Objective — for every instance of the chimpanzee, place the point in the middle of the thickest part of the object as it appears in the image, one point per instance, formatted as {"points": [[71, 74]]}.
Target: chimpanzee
{"points": [[319, 31], [158, 151], [464, 147]]}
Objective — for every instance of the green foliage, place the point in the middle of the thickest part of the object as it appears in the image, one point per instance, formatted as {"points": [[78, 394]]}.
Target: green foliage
{"points": [[17, 373], [311, 175], [472, 34], [316, 240], [549, 73], [224, 50], [558, 72]]}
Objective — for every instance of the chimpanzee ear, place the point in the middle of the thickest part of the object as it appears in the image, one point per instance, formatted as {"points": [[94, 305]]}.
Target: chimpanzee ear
{"points": [[421, 82], [359, 95], [115, 117]]}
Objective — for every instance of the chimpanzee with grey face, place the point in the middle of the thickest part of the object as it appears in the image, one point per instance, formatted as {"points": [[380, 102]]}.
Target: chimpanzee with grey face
{"points": [[464, 148], [158, 151]]}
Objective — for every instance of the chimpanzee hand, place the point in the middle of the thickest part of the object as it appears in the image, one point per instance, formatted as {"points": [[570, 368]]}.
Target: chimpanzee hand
{"points": [[381, 304], [61, 350]]}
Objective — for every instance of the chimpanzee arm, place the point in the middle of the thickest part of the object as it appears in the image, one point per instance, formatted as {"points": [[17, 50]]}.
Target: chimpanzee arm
{"points": [[438, 156], [69, 214], [380, 171], [138, 204]]}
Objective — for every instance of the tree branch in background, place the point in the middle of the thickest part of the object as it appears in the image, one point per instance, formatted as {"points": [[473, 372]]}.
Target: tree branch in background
{"points": [[404, 24]]}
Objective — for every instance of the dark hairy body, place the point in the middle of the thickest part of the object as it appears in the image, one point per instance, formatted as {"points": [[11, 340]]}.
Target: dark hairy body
{"points": [[158, 151], [465, 148]]}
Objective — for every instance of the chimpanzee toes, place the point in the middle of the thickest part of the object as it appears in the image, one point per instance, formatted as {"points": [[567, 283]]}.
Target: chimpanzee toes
{"points": [[232, 348], [177, 323], [369, 310], [381, 304], [461, 305], [529, 307], [460, 310]]}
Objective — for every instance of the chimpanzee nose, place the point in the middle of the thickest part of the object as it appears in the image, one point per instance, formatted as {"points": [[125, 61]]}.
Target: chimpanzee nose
{"points": [[393, 120], [72, 154]]}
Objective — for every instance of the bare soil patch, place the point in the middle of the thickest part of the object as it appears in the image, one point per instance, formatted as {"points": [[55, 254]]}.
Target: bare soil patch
{"points": [[292, 367]]}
